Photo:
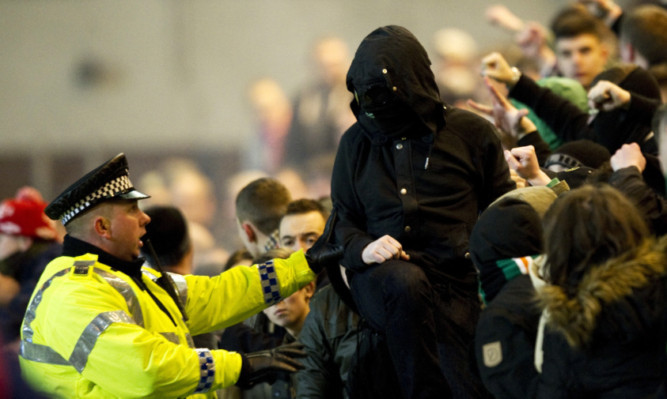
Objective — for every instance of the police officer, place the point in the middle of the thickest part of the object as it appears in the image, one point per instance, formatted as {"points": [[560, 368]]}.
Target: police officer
{"points": [[102, 324]]}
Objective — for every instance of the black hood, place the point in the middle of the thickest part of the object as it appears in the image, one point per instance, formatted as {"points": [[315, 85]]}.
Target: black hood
{"points": [[391, 60]]}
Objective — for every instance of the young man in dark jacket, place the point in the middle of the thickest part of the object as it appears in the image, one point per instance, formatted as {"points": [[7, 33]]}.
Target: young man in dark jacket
{"points": [[409, 180]]}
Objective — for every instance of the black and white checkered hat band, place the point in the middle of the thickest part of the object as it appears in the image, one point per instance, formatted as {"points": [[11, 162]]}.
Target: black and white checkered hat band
{"points": [[117, 186]]}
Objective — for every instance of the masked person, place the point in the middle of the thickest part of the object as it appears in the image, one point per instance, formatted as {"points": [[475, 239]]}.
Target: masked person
{"points": [[409, 181], [100, 324]]}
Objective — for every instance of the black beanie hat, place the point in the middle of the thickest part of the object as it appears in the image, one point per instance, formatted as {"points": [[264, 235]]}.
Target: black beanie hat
{"points": [[508, 229], [579, 153]]}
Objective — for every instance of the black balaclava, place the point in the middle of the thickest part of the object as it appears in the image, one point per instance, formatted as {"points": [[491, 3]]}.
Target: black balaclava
{"points": [[395, 91]]}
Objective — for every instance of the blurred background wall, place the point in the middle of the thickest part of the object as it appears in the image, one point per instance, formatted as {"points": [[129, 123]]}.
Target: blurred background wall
{"points": [[161, 79], [83, 80]]}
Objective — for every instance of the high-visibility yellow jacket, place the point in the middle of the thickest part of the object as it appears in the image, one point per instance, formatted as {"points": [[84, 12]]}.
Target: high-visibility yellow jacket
{"points": [[91, 331]]}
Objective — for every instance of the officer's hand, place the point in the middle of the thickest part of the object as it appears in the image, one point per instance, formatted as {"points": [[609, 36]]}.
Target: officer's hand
{"points": [[267, 365], [325, 253]]}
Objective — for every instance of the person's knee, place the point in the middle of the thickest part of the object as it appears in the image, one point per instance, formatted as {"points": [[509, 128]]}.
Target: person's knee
{"points": [[406, 281]]}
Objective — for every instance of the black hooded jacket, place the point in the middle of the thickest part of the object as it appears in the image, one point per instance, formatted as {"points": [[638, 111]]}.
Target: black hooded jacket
{"points": [[410, 167]]}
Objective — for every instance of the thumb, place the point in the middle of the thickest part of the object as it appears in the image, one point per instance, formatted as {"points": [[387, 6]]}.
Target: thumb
{"points": [[511, 160]]}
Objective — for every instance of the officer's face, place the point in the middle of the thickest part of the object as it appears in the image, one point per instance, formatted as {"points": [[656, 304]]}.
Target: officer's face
{"points": [[128, 225]]}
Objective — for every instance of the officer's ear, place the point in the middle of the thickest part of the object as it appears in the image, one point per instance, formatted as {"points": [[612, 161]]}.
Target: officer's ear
{"points": [[102, 226]]}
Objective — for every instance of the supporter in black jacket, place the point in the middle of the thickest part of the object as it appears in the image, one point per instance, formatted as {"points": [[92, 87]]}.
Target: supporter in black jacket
{"points": [[503, 245], [611, 128], [409, 180]]}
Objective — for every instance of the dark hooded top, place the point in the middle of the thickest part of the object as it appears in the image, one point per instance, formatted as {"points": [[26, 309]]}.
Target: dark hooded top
{"points": [[608, 339], [410, 167], [507, 329]]}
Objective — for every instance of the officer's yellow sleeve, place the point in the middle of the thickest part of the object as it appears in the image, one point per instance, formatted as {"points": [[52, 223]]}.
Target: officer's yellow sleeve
{"points": [[234, 295]]}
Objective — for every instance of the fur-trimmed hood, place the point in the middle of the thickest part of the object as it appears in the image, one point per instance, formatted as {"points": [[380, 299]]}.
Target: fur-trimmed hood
{"points": [[618, 299]]}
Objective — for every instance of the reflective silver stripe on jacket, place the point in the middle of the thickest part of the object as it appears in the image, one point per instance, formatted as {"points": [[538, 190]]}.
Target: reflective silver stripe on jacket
{"points": [[87, 340], [148, 274], [41, 354], [32, 307], [127, 292], [181, 286], [89, 337], [171, 337], [84, 345]]}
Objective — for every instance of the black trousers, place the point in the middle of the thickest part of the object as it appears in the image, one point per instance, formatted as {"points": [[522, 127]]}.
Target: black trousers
{"points": [[428, 322]]}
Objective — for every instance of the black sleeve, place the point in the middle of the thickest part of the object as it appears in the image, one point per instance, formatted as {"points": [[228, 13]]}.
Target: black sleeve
{"points": [[350, 228], [563, 117], [505, 358], [554, 378], [497, 180], [653, 206], [320, 378]]}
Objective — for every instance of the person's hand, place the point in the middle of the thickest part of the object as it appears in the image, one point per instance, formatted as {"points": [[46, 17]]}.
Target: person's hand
{"points": [[496, 67], [518, 180], [534, 43], [382, 249], [506, 116], [500, 15], [628, 155], [267, 365], [524, 161], [606, 96], [606, 10]]}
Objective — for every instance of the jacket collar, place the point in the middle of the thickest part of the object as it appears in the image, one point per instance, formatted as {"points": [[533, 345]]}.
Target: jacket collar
{"points": [[75, 247]]}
